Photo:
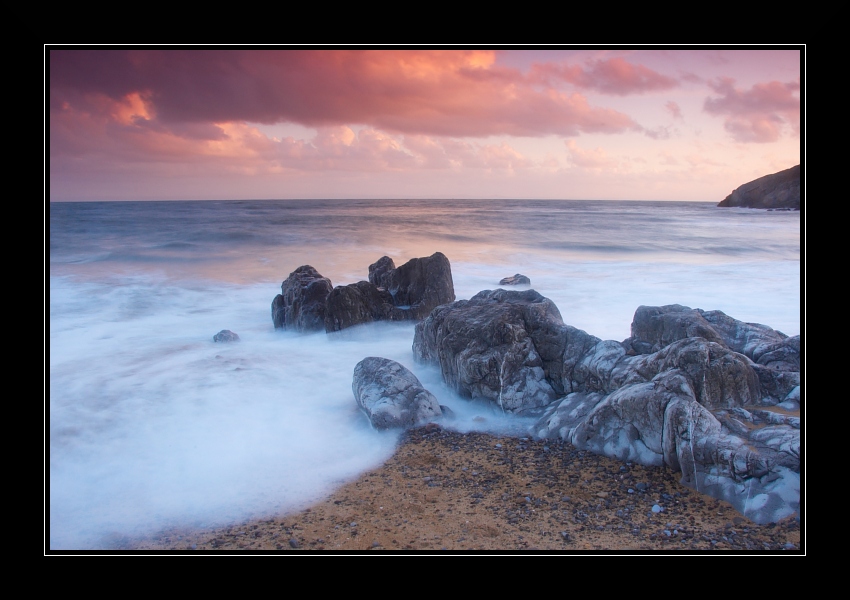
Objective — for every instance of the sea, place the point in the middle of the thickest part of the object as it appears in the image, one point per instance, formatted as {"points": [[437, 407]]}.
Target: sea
{"points": [[150, 424]]}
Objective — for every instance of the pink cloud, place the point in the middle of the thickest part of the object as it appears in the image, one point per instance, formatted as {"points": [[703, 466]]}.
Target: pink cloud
{"points": [[456, 93], [759, 114], [610, 76], [596, 158], [674, 109]]}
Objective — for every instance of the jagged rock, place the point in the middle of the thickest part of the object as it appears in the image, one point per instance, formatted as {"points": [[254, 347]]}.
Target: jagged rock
{"points": [[408, 293], [516, 280], [356, 303], [776, 191], [225, 335], [685, 391], [416, 287], [503, 346], [391, 395], [655, 327], [302, 302]]}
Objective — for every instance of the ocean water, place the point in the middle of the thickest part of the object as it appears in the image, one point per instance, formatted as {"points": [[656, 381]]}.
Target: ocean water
{"points": [[151, 424]]}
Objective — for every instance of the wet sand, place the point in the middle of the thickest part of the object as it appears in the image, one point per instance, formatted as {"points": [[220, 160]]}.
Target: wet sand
{"points": [[445, 492]]}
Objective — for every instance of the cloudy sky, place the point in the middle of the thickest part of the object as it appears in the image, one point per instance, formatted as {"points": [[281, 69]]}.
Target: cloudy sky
{"points": [[596, 123]]}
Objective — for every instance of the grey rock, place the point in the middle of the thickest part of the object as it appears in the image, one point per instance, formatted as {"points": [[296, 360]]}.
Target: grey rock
{"points": [[225, 335], [502, 346], [776, 191], [685, 391], [517, 279], [301, 305], [391, 395]]}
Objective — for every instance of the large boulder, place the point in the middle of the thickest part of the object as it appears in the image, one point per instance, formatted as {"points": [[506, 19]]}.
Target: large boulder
{"points": [[503, 346], [300, 306], [356, 303], [391, 395], [416, 287], [776, 191], [655, 327]]}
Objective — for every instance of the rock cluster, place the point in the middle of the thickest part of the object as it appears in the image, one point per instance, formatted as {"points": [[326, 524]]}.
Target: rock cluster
{"points": [[309, 302], [697, 391]]}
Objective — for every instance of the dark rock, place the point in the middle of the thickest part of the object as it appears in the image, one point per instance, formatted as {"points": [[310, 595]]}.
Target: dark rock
{"points": [[309, 302], [776, 191], [301, 304], [418, 286], [392, 396], [516, 280], [225, 335], [379, 270], [356, 303]]}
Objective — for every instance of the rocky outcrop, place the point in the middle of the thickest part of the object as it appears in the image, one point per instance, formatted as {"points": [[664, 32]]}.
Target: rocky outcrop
{"points": [[503, 346], [416, 287], [300, 306], [408, 293], [391, 396], [696, 391], [776, 191], [517, 279], [357, 303]]}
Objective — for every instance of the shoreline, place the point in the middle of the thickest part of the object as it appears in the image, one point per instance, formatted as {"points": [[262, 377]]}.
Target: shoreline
{"points": [[445, 492]]}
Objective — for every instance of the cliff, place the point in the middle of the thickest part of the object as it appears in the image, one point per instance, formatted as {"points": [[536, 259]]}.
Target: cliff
{"points": [[779, 190]]}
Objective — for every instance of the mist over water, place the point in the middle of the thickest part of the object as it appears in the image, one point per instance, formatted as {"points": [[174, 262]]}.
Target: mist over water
{"points": [[151, 423]]}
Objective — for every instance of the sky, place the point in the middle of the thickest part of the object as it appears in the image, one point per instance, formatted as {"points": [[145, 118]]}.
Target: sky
{"points": [[597, 122]]}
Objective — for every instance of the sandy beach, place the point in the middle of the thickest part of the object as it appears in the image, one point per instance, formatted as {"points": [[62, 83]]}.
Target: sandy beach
{"points": [[448, 492]]}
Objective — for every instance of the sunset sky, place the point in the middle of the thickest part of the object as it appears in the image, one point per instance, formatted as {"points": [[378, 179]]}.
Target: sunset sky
{"points": [[594, 123]]}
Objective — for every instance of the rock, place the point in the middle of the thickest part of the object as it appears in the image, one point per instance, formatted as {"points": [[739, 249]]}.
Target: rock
{"points": [[516, 280], [392, 396], [503, 346], [776, 191], [416, 287], [692, 405], [655, 327], [225, 335], [301, 305], [686, 391], [356, 303], [309, 302]]}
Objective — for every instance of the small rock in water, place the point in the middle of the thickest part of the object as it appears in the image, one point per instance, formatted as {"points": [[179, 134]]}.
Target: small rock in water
{"points": [[517, 279], [225, 335], [293, 543], [656, 508]]}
